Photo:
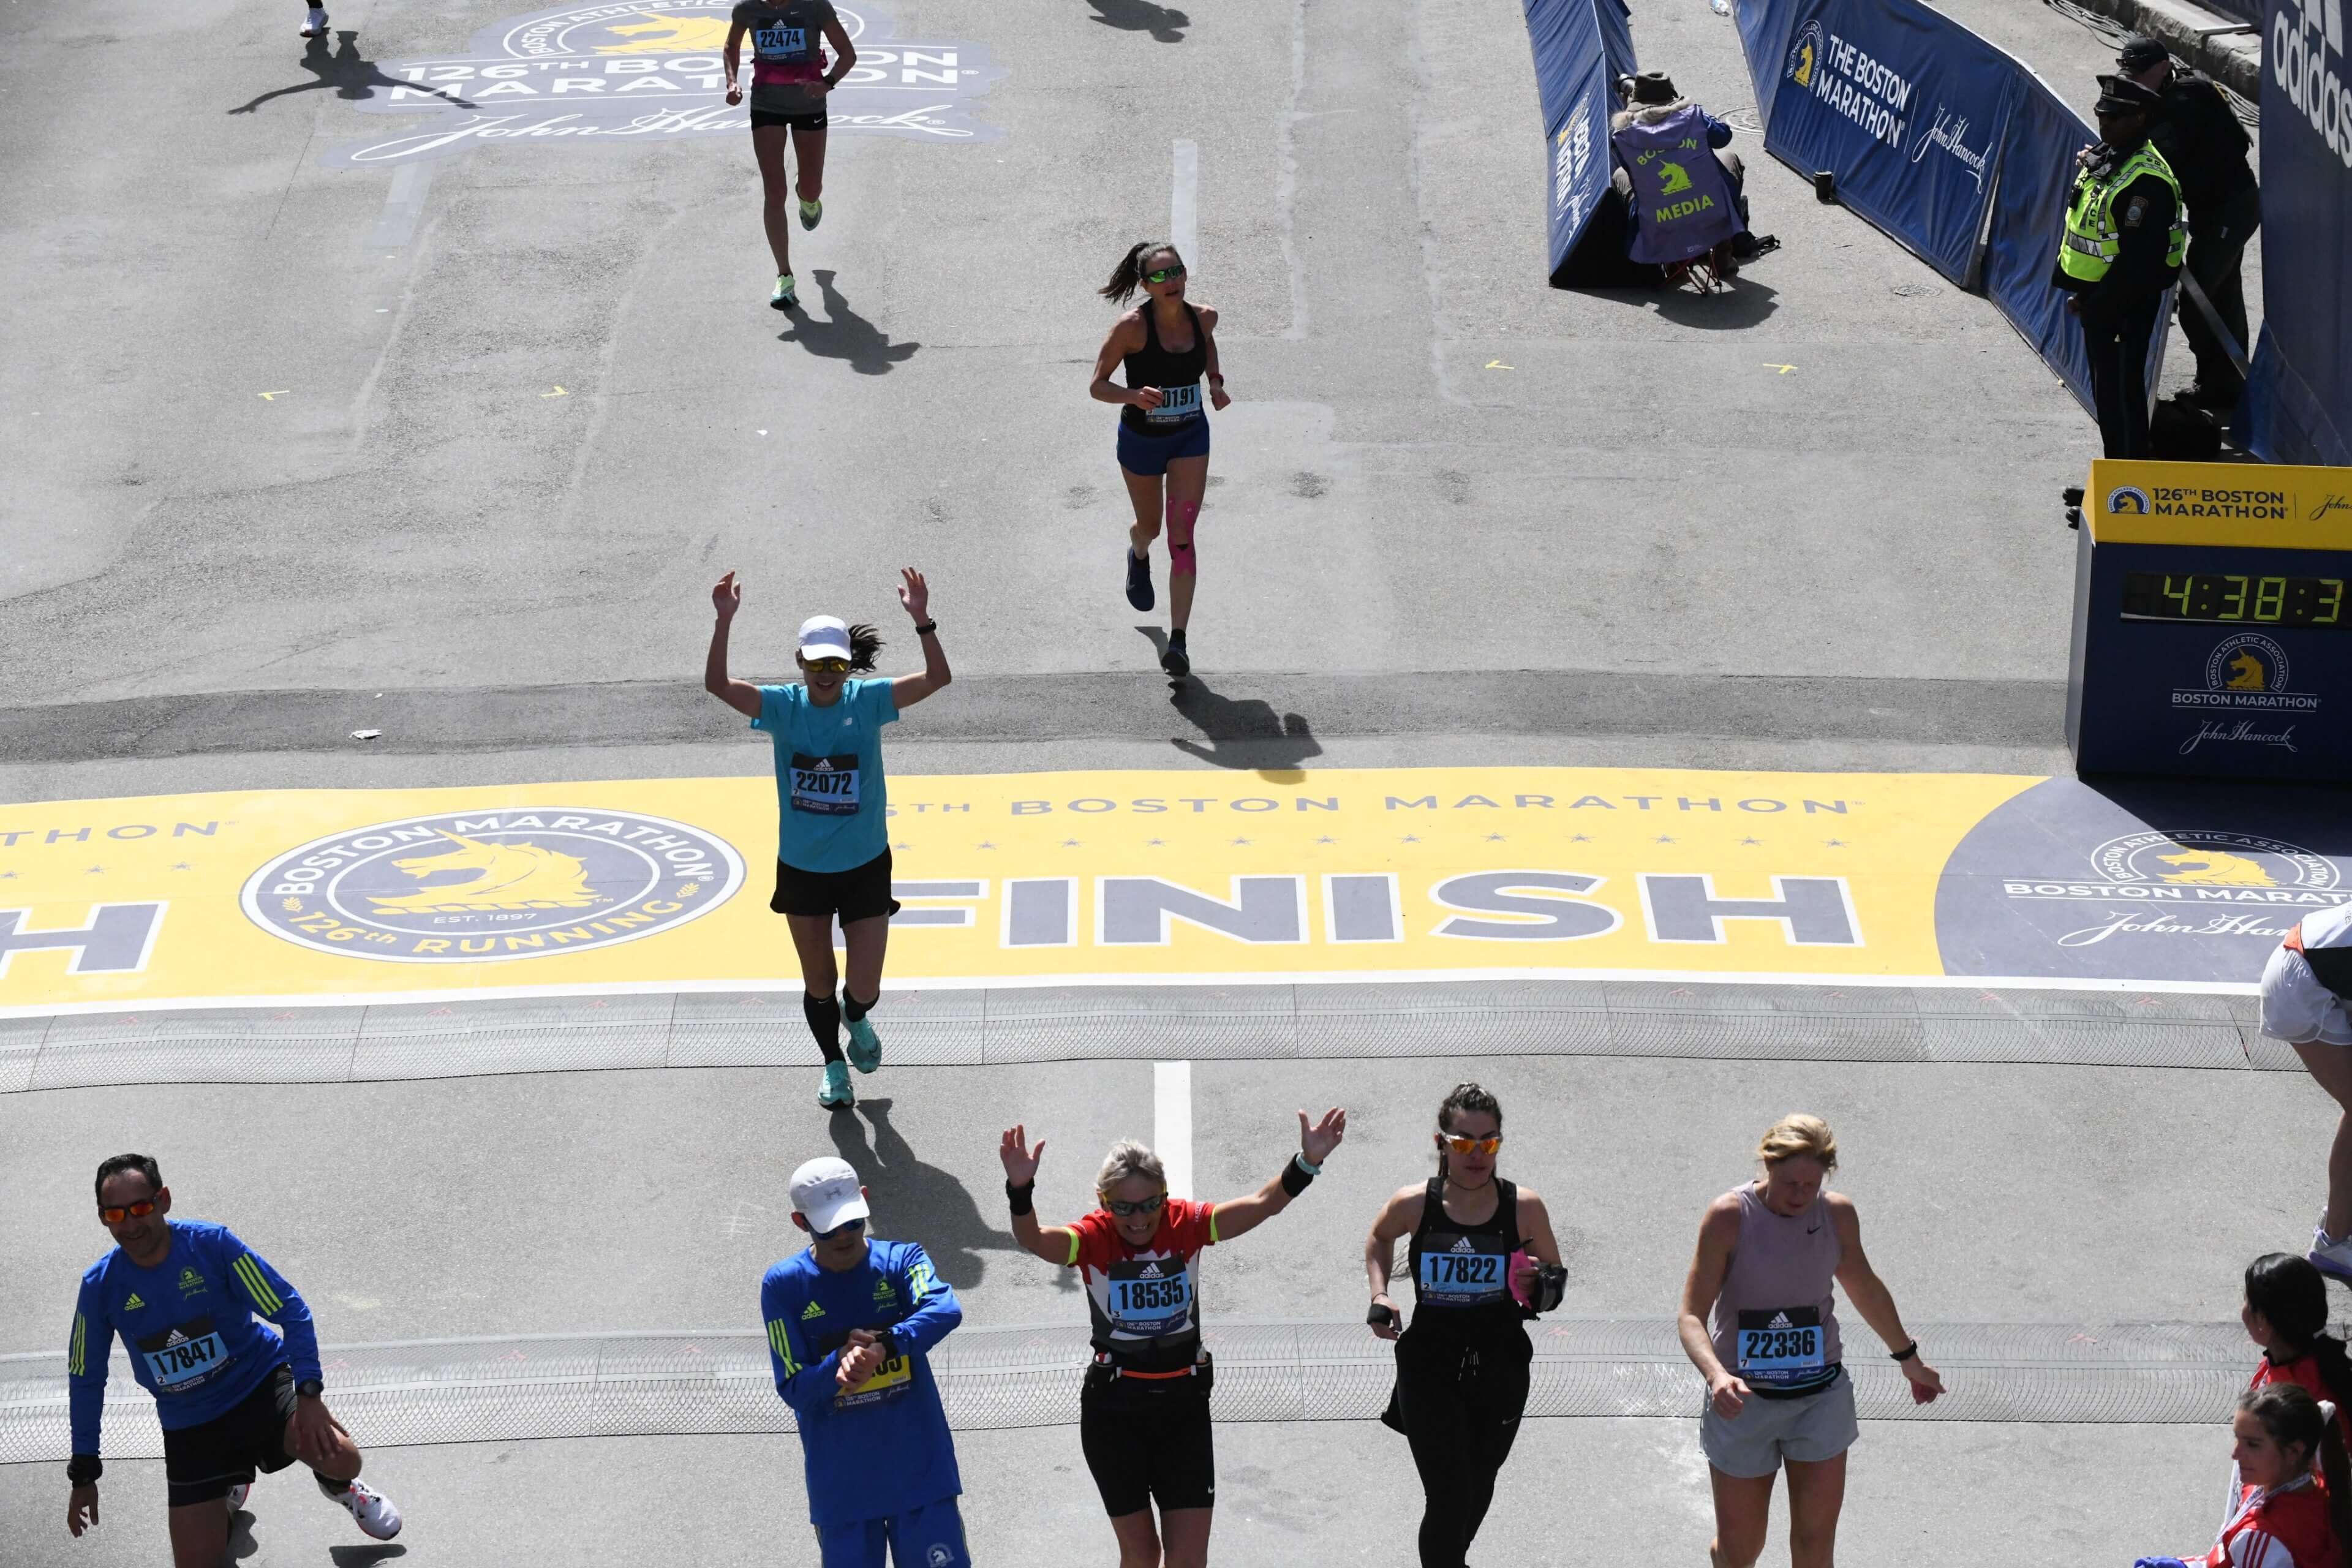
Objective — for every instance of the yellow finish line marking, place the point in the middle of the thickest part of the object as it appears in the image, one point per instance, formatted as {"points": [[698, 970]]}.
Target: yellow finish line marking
{"points": [[1007, 879], [1782, 369], [274, 396]]}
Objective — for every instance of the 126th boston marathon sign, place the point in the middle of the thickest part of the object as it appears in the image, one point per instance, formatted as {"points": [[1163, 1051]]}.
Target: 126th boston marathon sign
{"points": [[639, 69]]}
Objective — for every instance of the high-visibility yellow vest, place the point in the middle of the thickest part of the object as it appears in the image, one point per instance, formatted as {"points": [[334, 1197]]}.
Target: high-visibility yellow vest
{"points": [[2093, 241]]}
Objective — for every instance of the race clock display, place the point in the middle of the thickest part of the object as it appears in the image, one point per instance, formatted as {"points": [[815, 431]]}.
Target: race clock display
{"points": [[2208, 599]]}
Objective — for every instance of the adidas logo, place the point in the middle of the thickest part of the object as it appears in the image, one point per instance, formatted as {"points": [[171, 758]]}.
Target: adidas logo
{"points": [[1150, 1271], [1463, 1245], [824, 765], [811, 1310], [1779, 1320], [134, 1304], [174, 1337]]}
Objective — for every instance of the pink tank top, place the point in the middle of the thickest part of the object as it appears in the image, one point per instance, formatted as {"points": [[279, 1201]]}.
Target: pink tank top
{"points": [[1775, 1322]]}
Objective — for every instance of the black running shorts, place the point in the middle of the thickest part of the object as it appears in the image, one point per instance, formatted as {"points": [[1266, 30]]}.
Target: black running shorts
{"points": [[1148, 1448], [813, 120], [859, 893], [201, 1463]]}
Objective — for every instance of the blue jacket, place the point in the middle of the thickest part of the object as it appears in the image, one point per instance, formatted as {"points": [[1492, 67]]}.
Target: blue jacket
{"points": [[885, 1448], [194, 1326]]}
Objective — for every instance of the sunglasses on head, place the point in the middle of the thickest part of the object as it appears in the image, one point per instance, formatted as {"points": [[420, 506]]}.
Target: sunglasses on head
{"points": [[844, 1228], [116, 1214], [1126, 1210], [1473, 1145], [829, 666], [1163, 275]]}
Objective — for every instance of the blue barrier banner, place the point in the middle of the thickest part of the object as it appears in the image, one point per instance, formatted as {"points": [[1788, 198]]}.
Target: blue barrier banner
{"points": [[1906, 106], [2299, 396], [1764, 26], [1578, 59], [2037, 180]]}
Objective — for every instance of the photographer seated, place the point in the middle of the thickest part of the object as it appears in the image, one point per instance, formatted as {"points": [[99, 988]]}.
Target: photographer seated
{"points": [[1685, 197]]}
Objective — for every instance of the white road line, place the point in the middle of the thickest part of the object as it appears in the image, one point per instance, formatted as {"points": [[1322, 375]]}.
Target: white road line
{"points": [[404, 205], [1171, 1123], [1184, 205]]}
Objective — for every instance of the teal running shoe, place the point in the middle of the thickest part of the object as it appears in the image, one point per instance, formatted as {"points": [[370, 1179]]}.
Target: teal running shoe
{"points": [[836, 1094], [783, 299], [864, 1050]]}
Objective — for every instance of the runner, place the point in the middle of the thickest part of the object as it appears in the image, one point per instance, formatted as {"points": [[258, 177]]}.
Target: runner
{"points": [[2285, 1516], [851, 1322], [2286, 1314], [1143, 1411], [234, 1395], [789, 88], [1169, 346], [1484, 1262], [2307, 1002], [832, 831], [1767, 1252]]}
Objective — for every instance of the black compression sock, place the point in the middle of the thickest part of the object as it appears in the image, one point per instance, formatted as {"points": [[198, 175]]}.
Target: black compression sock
{"points": [[333, 1489], [824, 1023], [852, 1008], [1176, 637]]}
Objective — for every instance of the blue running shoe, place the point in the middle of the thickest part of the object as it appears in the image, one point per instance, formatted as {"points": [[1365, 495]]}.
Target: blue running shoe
{"points": [[836, 1094], [865, 1048], [1139, 580]]}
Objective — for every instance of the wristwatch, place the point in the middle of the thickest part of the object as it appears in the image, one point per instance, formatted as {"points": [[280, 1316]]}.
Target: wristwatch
{"points": [[309, 1388]]}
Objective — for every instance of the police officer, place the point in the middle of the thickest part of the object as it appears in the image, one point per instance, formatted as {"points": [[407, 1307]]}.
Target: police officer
{"points": [[2123, 247], [2201, 139]]}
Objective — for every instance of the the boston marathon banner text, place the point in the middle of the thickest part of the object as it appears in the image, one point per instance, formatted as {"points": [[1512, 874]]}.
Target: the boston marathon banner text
{"points": [[1580, 47], [2299, 399]]}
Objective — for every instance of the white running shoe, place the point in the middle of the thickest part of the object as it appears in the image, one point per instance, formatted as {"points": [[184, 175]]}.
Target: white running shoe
{"points": [[236, 1496], [2331, 1254], [316, 28], [377, 1517]]}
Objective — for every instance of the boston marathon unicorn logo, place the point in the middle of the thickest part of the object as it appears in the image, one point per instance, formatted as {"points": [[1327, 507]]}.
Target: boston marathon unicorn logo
{"points": [[1805, 55], [490, 885], [634, 69]]}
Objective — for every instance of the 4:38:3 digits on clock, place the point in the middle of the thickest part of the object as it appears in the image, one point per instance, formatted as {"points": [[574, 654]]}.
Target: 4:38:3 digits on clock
{"points": [[2230, 598]]}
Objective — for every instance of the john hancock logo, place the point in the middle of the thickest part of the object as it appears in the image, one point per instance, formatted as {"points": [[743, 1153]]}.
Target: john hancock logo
{"points": [[490, 885], [2247, 673], [601, 75]]}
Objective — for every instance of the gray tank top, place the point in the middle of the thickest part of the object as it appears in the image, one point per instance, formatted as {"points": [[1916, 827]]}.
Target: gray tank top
{"points": [[1776, 1321]]}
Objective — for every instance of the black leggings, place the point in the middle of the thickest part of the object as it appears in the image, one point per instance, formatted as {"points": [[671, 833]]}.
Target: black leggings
{"points": [[1459, 1401]]}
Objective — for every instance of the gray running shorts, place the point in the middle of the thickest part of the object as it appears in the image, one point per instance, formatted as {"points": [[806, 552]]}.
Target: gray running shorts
{"points": [[1808, 1429]]}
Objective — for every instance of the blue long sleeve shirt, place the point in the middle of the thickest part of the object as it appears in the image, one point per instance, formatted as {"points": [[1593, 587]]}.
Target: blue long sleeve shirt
{"points": [[886, 1447], [197, 1325]]}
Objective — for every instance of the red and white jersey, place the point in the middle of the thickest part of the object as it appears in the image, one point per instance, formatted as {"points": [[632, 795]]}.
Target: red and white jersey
{"points": [[2303, 1371], [2284, 1528], [1145, 1301]]}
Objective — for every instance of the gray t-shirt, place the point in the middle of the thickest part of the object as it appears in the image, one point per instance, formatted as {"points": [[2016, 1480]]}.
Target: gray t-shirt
{"points": [[788, 55]]}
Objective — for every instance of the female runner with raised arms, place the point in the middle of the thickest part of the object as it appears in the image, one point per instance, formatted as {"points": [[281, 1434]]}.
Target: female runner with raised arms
{"points": [[1484, 1261], [1776, 1392], [1143, 1412]]}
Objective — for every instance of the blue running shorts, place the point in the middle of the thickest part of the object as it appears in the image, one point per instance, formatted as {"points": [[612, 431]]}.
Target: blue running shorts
{"points": [[931, 1536], [1149, 456]]}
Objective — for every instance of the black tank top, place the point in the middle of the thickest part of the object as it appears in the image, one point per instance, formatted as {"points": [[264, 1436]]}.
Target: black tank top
{"points": [[1462, 1273], [1178, 376]]}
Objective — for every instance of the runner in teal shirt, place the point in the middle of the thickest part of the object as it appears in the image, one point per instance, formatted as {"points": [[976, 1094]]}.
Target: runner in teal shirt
{"points": [[833, 829]]}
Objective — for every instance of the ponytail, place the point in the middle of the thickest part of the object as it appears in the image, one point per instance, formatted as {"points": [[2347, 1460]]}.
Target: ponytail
{"points": [[1127, 276], [865, 645], [2293, 1418]]}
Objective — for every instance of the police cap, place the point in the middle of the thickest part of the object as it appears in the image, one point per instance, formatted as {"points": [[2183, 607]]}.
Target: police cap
{"points": [[2121, 95], [2139, 54]]}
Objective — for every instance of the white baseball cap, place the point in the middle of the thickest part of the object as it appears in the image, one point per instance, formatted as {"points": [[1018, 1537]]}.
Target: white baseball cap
{"points": [[826, 1193], [825, 636]]}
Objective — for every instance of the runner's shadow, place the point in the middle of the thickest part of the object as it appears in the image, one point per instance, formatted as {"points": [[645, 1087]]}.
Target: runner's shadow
{"points": [[352, 77], [241, 1544], [915, 1201], [364, 1556], [1164, 22], [846, 335], [1242, 733]]}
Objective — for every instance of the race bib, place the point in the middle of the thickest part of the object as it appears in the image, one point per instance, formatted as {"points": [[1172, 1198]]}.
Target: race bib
{"points": [[1464, 1271], [1150, 1297], [1781, 1345], [779, 43], [893, 1378], [183, 1361], [1176, 403], [825, 785]]}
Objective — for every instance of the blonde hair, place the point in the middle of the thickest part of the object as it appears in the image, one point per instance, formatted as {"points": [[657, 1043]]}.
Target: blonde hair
{"points": [[1128, 1158], [1799, 1134]]}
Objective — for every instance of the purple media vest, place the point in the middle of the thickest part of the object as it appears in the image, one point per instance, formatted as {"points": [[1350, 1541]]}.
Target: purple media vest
{"points": [[1682, 204]]}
